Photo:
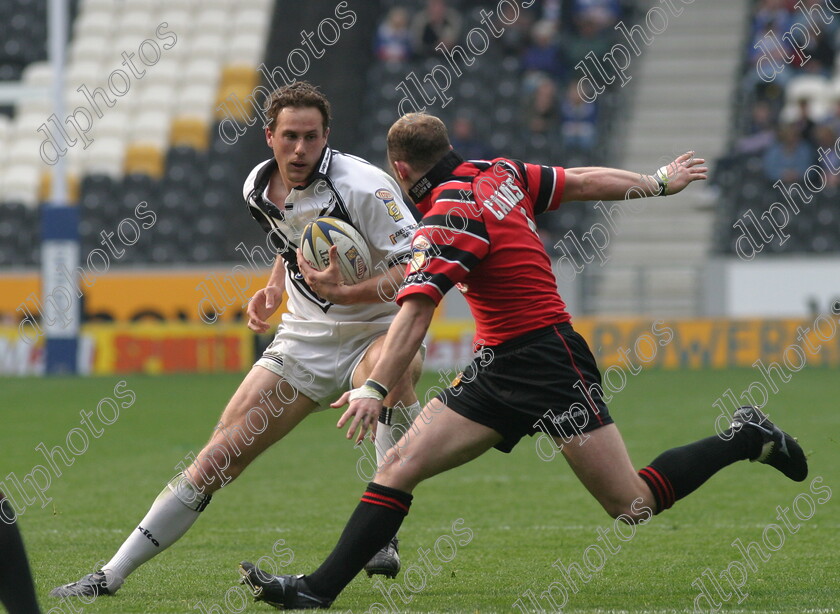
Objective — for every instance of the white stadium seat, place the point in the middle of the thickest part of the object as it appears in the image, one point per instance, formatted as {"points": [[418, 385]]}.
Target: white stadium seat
{"points": [[203, 71], [113, 124], [20, 183], [211, 21], [93, 49], [196, 101], [105, 156], [155, 98], [26, 123], [97, 24], [25, 149], [245, 49], [210, 46], [37, 74], [140, 24], [167, 72], [179, 21], [5, 136], [255, 21], [90, 73], [150, 127]]}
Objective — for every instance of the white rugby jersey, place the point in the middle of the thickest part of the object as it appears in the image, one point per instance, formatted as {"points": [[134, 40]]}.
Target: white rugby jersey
{"points": [[348, 188]]}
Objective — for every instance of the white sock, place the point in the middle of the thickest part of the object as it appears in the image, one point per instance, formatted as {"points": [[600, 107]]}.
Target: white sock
{"points": [[174, 511], [399, 421]]}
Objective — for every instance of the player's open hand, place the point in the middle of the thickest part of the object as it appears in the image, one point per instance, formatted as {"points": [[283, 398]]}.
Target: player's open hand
{"points": [[261, 306], [365, 414], [682, 171], [328, 284]]}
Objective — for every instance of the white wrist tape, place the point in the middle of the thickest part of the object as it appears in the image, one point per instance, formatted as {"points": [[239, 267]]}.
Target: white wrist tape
{"points": [[662, 179], [366, 392]]}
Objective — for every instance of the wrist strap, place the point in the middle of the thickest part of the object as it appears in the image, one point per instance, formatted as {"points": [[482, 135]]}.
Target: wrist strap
{"points": [[661, 176], [377, 386], [371, 389]]}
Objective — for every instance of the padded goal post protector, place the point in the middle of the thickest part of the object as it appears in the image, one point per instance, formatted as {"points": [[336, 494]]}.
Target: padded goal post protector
{"points": [[60, 316]]}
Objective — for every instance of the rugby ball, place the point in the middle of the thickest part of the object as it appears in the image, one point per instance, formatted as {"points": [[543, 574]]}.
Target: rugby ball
{"points": [[353, 253]]}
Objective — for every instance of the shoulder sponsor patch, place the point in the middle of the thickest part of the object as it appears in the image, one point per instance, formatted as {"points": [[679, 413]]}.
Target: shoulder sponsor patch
{"points": [[420, 247], [387, 198]]}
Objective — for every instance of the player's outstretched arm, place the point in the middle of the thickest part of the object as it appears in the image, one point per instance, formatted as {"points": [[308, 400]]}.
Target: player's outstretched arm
{"points": [[266, 301], [329, 285], [405, 335], [600, 183]]}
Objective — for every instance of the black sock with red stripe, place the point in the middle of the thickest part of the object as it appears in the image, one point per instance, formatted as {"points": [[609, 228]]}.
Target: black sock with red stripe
{"points": [[375, 521], [678, 472]]}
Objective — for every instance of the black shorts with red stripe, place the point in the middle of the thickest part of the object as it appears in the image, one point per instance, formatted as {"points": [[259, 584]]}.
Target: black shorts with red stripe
{"points": [[546, 380]]}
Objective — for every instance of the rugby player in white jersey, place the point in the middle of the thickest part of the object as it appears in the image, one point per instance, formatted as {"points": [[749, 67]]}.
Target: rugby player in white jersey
{"points": [[328, 341]]}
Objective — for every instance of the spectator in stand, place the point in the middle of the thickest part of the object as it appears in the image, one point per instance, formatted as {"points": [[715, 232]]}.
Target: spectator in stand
{"points": [[465, 141], [392, 43], [437, 24], [803, 120], [789, 156], [821, 47], [769, 15], [833, 112], [552, 10], [544, 54], [578, 121], [761, 132], [772, 20], [826, 135], [606, 10], [592, 32], [541, 112]]}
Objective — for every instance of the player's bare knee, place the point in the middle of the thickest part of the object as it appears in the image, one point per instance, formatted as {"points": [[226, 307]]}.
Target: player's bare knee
{"points": [[395, 474], [217, 465]]}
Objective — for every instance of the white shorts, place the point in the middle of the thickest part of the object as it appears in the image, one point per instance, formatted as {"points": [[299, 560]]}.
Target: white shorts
{"points": [[319, 358]]}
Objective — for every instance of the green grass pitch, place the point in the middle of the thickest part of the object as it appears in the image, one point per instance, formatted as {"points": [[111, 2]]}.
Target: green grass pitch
{"points": [[522, 513]]}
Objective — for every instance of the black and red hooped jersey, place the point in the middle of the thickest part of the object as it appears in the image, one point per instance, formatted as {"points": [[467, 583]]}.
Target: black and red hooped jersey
{"points": [[478, 232]]}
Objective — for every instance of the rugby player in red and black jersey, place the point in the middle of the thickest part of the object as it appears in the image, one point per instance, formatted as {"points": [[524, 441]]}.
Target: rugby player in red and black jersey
{"points": [[478, 232]]}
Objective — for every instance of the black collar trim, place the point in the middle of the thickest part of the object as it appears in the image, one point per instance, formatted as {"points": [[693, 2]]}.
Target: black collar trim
{"points": [[321, 169], [264, 175], [435, 176]]}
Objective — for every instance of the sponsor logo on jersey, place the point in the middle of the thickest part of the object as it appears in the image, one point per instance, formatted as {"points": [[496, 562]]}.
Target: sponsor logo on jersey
{"points": [[420, 247], [402, 232], [418, 278], [390, 203], [503, 200]]}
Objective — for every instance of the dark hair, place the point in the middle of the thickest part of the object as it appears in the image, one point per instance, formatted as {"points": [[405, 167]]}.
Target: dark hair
{"points": [[299, 94], [419, 139]]}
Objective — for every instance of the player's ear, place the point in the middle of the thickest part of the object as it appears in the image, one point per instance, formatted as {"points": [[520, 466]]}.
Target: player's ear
{"points": [[400, 168], [268, 135]]}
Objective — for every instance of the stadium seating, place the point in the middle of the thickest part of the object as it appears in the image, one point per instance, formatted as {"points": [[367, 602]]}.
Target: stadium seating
{"points": [[139, 145], [741, 179], [164, 128]]}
